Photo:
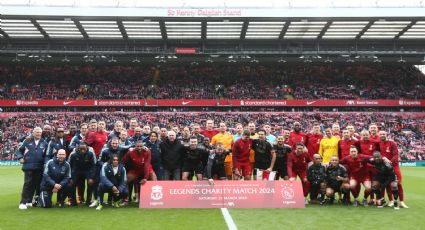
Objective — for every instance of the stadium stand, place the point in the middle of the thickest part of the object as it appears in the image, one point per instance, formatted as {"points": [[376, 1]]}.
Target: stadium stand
{"points": [[22, 82]]}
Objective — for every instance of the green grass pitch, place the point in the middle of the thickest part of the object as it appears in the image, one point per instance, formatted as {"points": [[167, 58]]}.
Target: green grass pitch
{"points": [[312, 217]]}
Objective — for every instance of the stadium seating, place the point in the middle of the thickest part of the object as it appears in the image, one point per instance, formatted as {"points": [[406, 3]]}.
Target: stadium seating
{"points": [[210, 82]]}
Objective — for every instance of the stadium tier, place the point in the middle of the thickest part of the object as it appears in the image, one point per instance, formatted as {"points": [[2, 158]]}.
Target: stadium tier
{"points": [[324, 82]]}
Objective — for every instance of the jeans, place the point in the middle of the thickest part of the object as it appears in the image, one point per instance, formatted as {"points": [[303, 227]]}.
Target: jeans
{"points": [[174, 174]]}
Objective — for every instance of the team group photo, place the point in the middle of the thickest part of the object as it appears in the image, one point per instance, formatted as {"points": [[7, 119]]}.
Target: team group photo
{"points": [[226, 114]]}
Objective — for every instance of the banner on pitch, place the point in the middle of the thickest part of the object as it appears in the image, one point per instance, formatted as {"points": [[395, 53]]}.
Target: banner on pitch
{"points": [[222, 194]]}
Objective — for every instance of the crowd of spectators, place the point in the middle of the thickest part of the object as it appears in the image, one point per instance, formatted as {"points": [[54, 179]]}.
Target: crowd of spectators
{"points": [[26, 82], [407, 129]]}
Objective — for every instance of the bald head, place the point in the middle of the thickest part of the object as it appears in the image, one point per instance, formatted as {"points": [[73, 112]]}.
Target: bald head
{"points": [[61, 155]]}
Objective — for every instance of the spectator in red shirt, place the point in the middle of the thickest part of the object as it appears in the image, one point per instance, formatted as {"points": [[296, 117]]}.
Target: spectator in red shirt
{"points": [[138, 163], [389, 150], [374, 135], [313, 140], [297, 136], [357, 169], [368, 147], [240, 157], [353, 133], [297, 166], [336, 130], [345, 143], [133, 125], [209, 130]]}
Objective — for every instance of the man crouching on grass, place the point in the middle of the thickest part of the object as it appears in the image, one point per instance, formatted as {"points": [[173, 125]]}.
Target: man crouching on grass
{"points": [[56, 177], [113, 180], [385, 176]]}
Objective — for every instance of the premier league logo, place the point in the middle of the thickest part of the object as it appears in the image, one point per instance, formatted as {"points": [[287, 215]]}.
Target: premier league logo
{"points": [[156, 193], [287, 193]]}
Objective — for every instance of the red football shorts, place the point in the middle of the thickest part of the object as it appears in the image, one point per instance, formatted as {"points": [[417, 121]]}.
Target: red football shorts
{"points": [[360, 178], [245, 169]]}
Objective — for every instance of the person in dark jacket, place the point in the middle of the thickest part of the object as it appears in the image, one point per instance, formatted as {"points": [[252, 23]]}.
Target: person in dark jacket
{"points": [[56, 177], [118, 126], [113, 148], [59, 142], [172, 152], [192, 162], [316, 174], [137, 136], [113, 179], [154, 145], [79, 137], [31, 154], [215, 165], [83, 168], [46, 134]]}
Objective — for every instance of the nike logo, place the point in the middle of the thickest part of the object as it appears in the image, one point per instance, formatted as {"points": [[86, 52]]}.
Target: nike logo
{"points": [[67, 102], [310, 102], [186, 102]]}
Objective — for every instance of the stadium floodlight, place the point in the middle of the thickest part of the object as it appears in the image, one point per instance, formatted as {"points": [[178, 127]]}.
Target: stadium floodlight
{"points": [[65, 59], [302, 57], [401, 60], [232, 61], [112, 60], [350, 60], [136, 60], [230, 57], [162, 60], [255, 61], [86, 56], [377, 60], [16, 59], [328, 60], [281, 60], [307, 60]]}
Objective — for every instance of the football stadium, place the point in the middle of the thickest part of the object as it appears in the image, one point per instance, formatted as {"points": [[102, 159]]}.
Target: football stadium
{"points": [[226, 114]]}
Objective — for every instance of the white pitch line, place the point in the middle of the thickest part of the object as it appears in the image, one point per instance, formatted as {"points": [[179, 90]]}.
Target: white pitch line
{"points": [[228, 218]]}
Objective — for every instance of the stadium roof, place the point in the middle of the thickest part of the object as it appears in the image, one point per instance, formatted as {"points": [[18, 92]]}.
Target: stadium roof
{"points": [[394, 27]]}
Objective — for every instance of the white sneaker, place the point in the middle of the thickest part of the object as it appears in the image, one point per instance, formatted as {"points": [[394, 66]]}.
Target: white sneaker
{"points": [[396, 207], [22, 206], [136, 198], [29, 205], [94, 204], [306, 201], [391, 203], [403, 205]]}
